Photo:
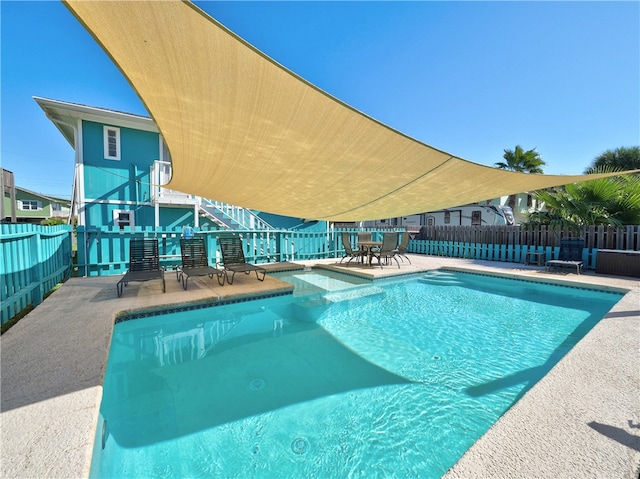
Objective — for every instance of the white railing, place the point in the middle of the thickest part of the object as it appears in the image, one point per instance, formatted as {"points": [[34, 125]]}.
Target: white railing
{"points": [[244, 218]]}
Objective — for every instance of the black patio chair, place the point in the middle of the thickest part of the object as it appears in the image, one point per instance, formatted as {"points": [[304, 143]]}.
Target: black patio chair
{"points": [[144, 264], [195, 261], [233, 258], [570, 255]]}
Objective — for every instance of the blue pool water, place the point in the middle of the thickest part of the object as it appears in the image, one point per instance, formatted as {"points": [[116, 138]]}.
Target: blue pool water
{"points": [[394, 378]]}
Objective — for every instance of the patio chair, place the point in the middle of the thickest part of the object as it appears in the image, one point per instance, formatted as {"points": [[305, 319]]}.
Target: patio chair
{"points": [[570, 255], [233, 259], [364, 236], [349, 251], [195, 262], [388, 249], [144, 264], [401, 250]]}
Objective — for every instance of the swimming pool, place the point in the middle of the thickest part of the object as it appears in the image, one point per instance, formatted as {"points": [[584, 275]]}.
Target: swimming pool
{"points": [[391, 378]]}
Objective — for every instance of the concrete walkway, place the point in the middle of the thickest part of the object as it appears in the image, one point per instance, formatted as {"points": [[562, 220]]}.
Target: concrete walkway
{"points": [[581, 420]]}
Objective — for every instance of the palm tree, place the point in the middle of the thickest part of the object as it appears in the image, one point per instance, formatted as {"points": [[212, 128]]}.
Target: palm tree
{"points": [[605, 201], [620, 159], [521, 161]]}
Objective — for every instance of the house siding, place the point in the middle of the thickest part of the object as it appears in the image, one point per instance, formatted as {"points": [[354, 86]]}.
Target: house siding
{"points": [[124, 180]]}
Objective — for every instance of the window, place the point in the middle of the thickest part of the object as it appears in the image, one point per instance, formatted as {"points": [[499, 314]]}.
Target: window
{"points": [[447, 217], [31, 205], [529, 201], [122, 218], [476, 218], [56, 207], [111, 143]]}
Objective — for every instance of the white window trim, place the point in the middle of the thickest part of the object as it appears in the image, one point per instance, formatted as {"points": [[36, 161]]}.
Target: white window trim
{"points": [[106, 130], [116, 218], [30, 202]]}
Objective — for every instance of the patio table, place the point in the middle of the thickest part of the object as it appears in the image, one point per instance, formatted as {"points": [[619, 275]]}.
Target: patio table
{"points": [[368, 246]]}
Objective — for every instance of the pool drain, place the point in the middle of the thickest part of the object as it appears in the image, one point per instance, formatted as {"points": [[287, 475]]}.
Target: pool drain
{"points": [[300, 445], [257, 384]]}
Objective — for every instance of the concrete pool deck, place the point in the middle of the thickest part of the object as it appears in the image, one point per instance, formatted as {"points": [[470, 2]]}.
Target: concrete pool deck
{"points": [[581, 420]]}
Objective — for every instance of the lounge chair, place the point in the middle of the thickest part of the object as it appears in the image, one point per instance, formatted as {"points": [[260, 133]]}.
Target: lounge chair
{"points": [[388, 249], [144, 264], [195, 261], [570, 255], [401, 250], [349, 251], [233, 259]]}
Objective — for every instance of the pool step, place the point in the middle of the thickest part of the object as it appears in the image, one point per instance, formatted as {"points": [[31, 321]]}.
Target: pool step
{"points": [[352, 294], [441, 278], [324, 283]]}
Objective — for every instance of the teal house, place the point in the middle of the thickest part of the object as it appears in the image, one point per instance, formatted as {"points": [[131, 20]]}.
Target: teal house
{"points": [[121, 165]]}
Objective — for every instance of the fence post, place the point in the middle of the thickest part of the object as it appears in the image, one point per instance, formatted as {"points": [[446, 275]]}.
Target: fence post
{"points": [[38, 294]]}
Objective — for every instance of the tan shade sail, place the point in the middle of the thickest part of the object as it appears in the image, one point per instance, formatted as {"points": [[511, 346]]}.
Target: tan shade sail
{"points": [[244, 130]]}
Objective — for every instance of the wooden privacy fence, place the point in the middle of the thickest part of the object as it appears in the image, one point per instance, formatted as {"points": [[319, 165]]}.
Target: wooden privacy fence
{"points": [[34, 259], [512, 243], [596, 237]]}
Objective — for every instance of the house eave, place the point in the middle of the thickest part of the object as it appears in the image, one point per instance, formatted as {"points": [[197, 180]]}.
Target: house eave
{"points": [[65, 116]]}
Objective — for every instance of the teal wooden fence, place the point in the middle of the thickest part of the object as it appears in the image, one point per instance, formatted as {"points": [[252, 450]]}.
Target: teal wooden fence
{"points": [[33, 260], [105, 251]]}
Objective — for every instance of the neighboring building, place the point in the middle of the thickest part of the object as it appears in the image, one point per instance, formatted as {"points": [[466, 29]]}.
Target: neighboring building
{"points": [[20, 205], [121, 163], [33, 207]]}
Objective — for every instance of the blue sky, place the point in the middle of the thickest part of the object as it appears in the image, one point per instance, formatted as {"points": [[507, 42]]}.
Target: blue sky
{"points": [[470, 78]]}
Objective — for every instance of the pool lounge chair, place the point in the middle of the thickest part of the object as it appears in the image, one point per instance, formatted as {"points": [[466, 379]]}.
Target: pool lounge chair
{"points": [[195, 261], [569, 256], [349, 251], [233, 259], [144, 264]]}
